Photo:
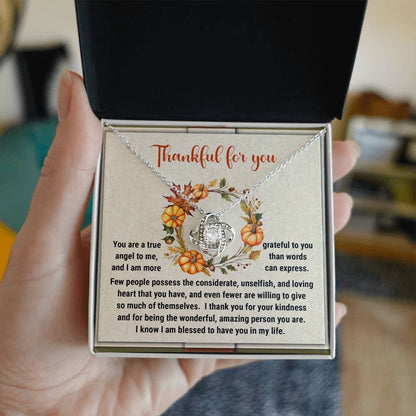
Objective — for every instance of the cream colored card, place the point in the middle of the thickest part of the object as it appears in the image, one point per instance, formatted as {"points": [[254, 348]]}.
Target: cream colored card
{"points": [[267, 288]]}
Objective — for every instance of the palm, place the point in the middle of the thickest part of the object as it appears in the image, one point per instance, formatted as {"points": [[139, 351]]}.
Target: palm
{"points": [[45, 366], [55, 370]]}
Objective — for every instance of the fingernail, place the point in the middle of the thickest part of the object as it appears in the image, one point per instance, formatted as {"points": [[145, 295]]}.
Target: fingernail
{"points": [[348, 199], [64, 95], [343, 310], [355, 148]]}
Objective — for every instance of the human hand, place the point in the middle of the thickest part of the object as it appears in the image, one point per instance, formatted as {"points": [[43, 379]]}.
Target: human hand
{"points": [[45, 364]]}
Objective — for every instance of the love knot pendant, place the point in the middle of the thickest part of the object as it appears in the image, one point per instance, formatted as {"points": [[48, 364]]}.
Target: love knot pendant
{"points": [[212, 236]]}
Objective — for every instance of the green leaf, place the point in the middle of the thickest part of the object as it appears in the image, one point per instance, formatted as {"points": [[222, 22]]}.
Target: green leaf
{"points": [[224, 259], [210, 261], [226, 197], [169, 230], [231, 267], [258, 216], [223, 271], [222, 182]]}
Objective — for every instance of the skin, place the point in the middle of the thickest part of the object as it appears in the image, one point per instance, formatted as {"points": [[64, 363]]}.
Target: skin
{"points": [[45, 365]]}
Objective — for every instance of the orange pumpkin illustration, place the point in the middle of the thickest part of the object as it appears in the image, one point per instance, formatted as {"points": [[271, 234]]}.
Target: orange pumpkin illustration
{"points": [[192, 262], [173, 216], [200, 191], [252, 234]]}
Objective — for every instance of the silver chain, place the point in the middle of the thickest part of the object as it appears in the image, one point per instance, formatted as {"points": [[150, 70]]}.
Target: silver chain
{"points": [[254, 188]]}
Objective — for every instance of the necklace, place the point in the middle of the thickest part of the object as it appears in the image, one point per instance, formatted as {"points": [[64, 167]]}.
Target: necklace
{"points": [[213, 236]]}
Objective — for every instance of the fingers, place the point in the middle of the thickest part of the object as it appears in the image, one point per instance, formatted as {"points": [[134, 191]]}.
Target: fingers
{"points": [[344, 157], [227, 363], [340, 312], [342, 210], [86, 235], [61, 196]]}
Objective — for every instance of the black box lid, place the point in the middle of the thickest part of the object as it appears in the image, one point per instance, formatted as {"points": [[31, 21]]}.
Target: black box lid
{"points": [[243, 61]]}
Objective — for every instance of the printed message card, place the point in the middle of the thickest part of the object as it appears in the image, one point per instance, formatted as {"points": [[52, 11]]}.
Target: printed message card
{"points": [[232, 255]]}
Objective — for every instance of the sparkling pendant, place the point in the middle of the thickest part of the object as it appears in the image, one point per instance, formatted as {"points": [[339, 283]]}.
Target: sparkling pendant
{"points": [[212, 236]]}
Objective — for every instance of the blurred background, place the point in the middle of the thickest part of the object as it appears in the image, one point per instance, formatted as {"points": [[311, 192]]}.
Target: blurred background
{"points": [[376, 252]]}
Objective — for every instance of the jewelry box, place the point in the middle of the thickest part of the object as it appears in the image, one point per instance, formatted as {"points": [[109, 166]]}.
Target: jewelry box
{"points": [[212, 228]]}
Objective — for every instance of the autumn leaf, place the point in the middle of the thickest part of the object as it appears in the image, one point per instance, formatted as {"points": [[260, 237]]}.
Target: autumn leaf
{"points": [[180, 202], [176, 249], [212, 183], [254, 255], [187, 189], [253, 219], [206, 271], [244, 207], [246, 219], [180, 237], [223, 182]]}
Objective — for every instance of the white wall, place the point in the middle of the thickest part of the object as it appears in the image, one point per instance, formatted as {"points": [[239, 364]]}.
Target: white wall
{"points": [[386, 59]]}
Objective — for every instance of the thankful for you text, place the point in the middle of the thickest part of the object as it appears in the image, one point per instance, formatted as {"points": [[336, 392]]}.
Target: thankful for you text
{"points": [[203, 155]]}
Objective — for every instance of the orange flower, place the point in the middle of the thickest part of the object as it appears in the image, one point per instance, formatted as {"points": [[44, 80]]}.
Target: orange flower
{"points": [[173, 216], [192, 262], [252, 234], [200, 191]]}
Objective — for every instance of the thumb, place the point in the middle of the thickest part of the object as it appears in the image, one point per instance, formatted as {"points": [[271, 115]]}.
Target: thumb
{"points": [[59, 202]]}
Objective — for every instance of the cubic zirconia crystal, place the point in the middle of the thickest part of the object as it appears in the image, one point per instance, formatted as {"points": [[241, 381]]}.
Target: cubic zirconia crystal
{"points": [[212, 234]]}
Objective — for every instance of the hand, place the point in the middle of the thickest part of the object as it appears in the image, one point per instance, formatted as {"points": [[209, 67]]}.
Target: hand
{"points": [[45, 365]]}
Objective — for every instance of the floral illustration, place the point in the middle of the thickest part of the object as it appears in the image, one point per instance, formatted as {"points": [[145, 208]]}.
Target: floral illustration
{"points": [[192, 261]]}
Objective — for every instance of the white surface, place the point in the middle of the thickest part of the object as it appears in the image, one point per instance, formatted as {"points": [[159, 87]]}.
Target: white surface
{"points": [[386, 57]]}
